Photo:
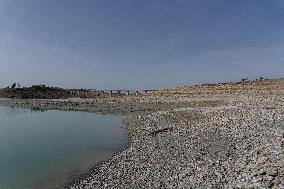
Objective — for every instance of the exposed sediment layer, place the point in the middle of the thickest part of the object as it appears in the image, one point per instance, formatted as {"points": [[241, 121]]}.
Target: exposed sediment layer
{"points": [[117, 105], [228, 139]]}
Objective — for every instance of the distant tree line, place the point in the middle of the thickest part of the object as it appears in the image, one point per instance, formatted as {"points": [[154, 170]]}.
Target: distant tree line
{"points": [[14, 85], [246, 79]]}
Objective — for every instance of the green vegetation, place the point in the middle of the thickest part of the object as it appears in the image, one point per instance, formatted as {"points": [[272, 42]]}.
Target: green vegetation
{"points": [[34, 92]]}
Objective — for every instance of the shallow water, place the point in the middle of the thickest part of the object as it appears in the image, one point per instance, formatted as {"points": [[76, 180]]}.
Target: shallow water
{"points": [[44, 149]]}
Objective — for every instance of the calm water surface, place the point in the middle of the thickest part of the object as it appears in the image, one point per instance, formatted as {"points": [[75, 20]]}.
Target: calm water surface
{"points": [[41, 150]]}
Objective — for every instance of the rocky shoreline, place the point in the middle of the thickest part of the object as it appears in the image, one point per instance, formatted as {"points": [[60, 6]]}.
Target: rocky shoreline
{"points": [[240, 145], [229, 139]]}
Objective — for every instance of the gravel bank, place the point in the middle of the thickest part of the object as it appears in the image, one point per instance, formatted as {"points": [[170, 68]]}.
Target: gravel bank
{"points": [[238, 145]]}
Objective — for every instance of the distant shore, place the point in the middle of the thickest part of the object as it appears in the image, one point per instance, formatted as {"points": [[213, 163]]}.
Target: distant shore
{"points": [[221, 136]]}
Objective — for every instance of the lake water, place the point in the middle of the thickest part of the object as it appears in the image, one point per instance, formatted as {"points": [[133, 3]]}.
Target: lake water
{"points": [[41, 150]]}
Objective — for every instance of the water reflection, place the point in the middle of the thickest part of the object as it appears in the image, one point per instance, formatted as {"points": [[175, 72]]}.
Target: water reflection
{"points": [[13, 111]]}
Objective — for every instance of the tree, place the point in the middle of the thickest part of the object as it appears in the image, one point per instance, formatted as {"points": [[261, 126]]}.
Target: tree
{"points": [[14, 85]]}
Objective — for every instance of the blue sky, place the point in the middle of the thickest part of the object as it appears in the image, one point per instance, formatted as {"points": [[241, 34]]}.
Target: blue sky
{"points": [[139, 44]]}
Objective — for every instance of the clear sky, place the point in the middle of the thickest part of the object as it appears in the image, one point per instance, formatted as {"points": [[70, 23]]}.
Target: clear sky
{"points": [[119, 44]]}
